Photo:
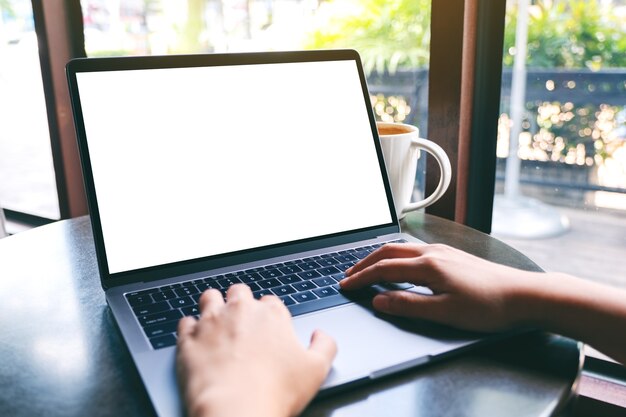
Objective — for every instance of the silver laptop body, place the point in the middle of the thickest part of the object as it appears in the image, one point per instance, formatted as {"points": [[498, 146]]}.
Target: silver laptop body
{"points": [[200, 168]]}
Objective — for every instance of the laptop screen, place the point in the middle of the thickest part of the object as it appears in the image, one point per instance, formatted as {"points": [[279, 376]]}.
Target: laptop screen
{"points": [[200, 161]]}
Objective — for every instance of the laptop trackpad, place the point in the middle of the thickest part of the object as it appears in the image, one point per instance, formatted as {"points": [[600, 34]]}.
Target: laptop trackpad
{"points": [[371, 346]]}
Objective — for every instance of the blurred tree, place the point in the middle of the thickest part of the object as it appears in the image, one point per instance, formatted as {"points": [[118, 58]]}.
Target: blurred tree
{"points": [[396, 33], [5, 7], [6, 10], [570, 34], [190, 40], [389, 34]]}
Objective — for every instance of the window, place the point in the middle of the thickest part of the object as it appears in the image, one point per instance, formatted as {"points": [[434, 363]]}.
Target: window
{"points": [[27, 178], [561, 191], [393, 39], [398, 65]]}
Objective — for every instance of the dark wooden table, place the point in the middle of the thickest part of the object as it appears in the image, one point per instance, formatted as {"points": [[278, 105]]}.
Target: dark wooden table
{"points": [[61, 353]]}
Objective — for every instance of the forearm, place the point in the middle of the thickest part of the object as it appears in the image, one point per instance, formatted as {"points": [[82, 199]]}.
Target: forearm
{"points": [[217, 405], [590, 312]]}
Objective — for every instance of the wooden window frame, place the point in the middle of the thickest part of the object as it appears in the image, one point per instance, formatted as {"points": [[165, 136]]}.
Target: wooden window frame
{"points": [[464, 89], [59, 28], [464, 100]]}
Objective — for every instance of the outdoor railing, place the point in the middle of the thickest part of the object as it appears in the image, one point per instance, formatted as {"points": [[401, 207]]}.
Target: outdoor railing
{"points": [[579, 87]]}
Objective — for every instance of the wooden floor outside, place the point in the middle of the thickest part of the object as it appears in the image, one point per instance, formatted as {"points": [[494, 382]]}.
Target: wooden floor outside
{"points": [[593, 248]]}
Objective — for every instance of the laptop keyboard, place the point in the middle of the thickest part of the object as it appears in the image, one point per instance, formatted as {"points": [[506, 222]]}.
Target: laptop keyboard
{"points": [[304, 285]]}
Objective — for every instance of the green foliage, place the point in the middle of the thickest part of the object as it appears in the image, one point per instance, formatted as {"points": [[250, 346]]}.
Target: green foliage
{"points": [[396, 33], [6, 8], [572, 134], [389, 34], [569, 34]]}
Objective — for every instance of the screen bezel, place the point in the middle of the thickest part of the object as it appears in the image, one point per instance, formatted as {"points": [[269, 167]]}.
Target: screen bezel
{"points": [[233, 258]]}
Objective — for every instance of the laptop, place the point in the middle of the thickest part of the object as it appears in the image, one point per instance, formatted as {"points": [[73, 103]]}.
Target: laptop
{"points": [[264, 168]]}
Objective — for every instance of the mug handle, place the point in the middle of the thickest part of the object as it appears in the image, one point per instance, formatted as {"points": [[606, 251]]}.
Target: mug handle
{"points": [[444, 180]]}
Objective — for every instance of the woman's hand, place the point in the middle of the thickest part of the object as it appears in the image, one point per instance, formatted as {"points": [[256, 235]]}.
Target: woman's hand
{"points": [[242, 358], [468, 292]]}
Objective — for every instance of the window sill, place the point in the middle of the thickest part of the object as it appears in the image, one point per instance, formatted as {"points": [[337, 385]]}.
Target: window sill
{"points": [[602, 387]]}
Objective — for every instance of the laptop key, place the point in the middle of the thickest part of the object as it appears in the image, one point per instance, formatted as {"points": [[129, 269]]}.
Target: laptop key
{"points": [[261, 293], [146, 309], [163, 295], [324, 281], [290, 269], [305, 296], [361, 254], [284, 290], [328, 271], [269, 283], [304, 285], [324, 292], [227, 282], [138, 300], [271, 273], [344, 266], [309, 265], [251, 277], [163, 341], [338, 277], [287, 300], [254, 286], [319, 304], [161, 329], [182, 302], [309, 274], [191, 311], [161, 317], [289, 279], [143, 292], [187, 290], [328, 262], [205, 286], [346, 258]]}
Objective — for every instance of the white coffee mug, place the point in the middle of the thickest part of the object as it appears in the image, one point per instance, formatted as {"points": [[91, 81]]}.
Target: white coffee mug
{"points": [[401, 146]]}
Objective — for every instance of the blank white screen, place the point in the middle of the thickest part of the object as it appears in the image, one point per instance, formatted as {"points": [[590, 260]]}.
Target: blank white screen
{"points": [[193, 162]]}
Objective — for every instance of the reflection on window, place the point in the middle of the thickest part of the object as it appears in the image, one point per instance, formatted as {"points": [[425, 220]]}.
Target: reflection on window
{"points": [[27, 182], [569, 122]]}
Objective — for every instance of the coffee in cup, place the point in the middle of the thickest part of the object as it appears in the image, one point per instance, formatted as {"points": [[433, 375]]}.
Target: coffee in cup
{"points": [[402, 148]]}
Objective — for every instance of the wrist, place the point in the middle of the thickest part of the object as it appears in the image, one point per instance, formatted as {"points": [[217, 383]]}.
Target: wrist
{"points": [[218, 403], [550, 301], [530, 303]]}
